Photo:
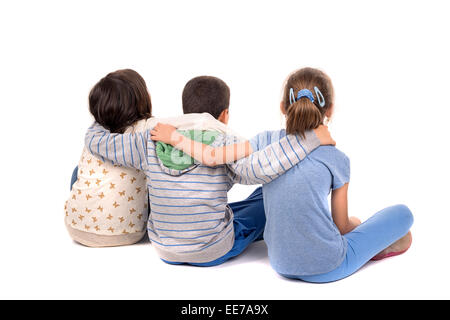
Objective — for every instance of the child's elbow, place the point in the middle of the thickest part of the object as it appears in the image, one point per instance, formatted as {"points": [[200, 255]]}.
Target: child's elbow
{"points": [[209, 158], [210, 163]]}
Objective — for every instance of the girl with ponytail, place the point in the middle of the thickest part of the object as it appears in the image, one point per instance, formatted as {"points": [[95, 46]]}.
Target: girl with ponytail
{"points": [[305, 239]]}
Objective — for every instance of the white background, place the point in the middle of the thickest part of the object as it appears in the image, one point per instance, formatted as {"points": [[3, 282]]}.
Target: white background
{"points": [[389, 64]]}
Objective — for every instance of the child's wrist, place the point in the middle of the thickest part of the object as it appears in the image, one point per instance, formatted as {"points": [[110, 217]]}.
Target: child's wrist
{"points": [[176, 138]]}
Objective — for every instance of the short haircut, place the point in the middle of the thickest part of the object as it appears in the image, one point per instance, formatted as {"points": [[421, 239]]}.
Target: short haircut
{"points": [[119, 100], [206, 94]]}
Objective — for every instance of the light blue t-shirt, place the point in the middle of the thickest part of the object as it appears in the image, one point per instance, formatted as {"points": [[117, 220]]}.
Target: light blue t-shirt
{"points": [[301, 236]]}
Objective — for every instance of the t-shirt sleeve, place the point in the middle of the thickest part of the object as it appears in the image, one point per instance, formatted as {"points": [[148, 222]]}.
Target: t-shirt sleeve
{"points": [[224, 140], [262, 140], [340, 170]]}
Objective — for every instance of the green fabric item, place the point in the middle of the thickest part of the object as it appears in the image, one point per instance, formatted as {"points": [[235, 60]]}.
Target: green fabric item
{"points": [[173, 158]]}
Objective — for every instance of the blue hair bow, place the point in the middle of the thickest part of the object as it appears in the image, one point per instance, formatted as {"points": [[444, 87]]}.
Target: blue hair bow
{"points": [[306, 93]]}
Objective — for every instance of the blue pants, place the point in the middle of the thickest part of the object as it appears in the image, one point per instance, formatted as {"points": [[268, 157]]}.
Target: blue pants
{"points": [[367, 240], [249, 222], [74, 177]]}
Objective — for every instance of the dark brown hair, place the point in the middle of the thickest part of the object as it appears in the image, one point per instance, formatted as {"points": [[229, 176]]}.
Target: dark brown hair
{"points": [[206, 94], [303, 114], [119, 100]]}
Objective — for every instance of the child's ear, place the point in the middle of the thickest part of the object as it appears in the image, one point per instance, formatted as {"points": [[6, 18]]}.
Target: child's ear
{"points": [[224, 116], [329, 112], [282, 108]]}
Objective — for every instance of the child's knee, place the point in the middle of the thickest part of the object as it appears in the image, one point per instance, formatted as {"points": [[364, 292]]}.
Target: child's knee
{"points": [[404, 215]]}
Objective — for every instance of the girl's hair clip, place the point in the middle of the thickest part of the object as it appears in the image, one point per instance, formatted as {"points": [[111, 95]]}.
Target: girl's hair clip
{"points": [[320, 98], [291, 96]]}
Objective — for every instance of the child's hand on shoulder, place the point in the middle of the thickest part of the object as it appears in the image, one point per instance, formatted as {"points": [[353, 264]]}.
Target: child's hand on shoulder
{"points": [[165, 133], [324, 136]]}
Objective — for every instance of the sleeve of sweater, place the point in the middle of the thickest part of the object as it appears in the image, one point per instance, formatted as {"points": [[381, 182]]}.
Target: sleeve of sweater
{"points": [[271, 160], [128, 149]]}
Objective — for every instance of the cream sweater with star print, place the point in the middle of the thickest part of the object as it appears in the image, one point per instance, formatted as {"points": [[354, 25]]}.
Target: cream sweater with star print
{"points": [[108, 204]]}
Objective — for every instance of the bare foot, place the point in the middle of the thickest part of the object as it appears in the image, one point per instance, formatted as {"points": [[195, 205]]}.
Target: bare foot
{"points": [[398, 247]]}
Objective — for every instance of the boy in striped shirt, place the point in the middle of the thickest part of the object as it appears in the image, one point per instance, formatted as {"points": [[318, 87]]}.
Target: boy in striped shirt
{"points": [[191, 221]]}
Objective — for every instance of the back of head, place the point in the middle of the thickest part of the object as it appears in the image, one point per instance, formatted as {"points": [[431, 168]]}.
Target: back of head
{"points": [[206, 94], [308, 95], [119, 100]]}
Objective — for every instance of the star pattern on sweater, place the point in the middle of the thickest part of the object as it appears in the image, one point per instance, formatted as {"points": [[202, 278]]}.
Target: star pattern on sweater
{"points": [[95, 207]]}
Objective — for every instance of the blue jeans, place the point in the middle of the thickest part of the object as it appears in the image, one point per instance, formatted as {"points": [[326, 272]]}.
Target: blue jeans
{"points": [[249, 222], [365, 241], [74, 177]]}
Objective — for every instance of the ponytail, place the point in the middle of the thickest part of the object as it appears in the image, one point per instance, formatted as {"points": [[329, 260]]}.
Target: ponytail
{"points": [[308, 94], [302, 116]]}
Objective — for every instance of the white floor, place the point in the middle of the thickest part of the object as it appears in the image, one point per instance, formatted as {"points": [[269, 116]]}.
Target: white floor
{"points": [[135, 272], [51, 265]]}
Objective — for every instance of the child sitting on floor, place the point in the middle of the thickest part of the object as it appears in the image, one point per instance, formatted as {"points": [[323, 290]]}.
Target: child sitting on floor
{"points": [[103, 194]]}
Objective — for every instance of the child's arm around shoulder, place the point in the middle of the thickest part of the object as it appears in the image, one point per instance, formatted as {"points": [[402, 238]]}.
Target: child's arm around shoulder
{"points": [[211, 156], [203, 153], [128, 149]]}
